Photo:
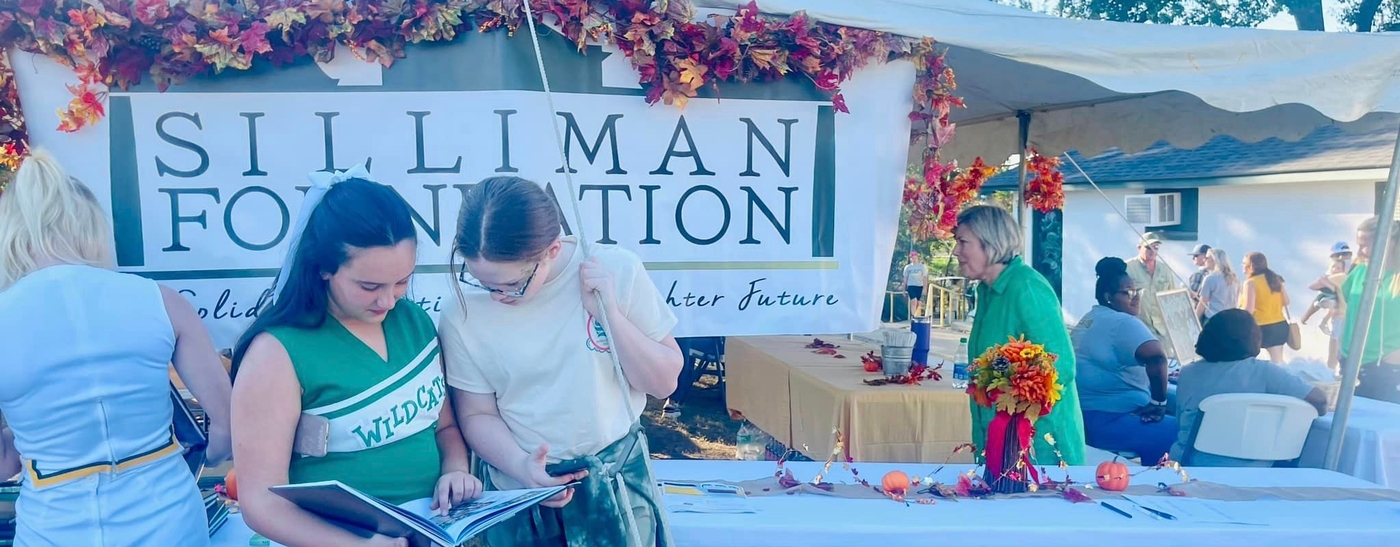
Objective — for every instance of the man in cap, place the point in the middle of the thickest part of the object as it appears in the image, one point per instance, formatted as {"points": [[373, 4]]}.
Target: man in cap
{"points": [[1153, 276], [1198, 256], [1329, 287]]}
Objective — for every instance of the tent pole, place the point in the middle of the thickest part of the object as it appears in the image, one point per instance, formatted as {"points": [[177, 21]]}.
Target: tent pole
{"points": [[1351, 366], [1023, 137]]}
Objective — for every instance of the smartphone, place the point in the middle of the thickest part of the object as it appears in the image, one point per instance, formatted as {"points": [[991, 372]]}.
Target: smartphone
{"points": [[313, 436], [565, 468]]}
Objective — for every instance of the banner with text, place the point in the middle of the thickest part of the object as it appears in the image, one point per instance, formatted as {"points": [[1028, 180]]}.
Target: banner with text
{"points": [[757, 209]]}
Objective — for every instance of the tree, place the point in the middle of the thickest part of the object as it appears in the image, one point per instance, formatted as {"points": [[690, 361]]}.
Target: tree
{"points": [[1372, 15], [1233, 13]]}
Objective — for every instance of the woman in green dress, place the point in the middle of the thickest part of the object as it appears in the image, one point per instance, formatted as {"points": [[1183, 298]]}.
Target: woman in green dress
{"points": [[1014, 300], [340, 379]]}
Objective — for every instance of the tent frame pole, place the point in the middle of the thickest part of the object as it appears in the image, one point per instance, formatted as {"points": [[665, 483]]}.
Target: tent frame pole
{"points": [[1351, 366], [1023, 137]]}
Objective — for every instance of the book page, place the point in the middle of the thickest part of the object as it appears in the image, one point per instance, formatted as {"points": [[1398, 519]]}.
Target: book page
{"points": [[467, 519], [704, 498]]}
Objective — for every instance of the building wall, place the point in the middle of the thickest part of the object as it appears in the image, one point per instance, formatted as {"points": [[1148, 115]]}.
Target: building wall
{"points": [[1293, 224]]}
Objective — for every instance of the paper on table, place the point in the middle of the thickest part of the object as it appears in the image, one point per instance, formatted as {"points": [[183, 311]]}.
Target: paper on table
{"points": [[1193, 509], [685, 497]]}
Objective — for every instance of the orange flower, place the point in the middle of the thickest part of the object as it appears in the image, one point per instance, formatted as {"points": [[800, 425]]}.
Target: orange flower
{"points": [[1035, 385]]}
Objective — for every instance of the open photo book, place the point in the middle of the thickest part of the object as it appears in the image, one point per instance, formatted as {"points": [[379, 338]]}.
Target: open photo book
{"points": [[415, 520]]}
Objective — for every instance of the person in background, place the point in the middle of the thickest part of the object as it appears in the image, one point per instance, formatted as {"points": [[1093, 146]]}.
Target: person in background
{"points": [[1329, 288], [341, 346], [1014, 300], [915, 277], [1220, 290], [1338, 265], [1122, 371], [1266, 298], [1380, 356], [1199, 258], [86, 369], [1365, 238], [1153, 276], [1229, 350]]}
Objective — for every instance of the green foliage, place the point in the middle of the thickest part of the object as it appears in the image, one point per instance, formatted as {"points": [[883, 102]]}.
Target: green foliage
{"points": [[1371, 15], [1237, 13]]}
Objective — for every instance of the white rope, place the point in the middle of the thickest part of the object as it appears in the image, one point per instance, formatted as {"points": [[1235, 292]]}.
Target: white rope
{"points": [[625, 502], [1120, 213]]}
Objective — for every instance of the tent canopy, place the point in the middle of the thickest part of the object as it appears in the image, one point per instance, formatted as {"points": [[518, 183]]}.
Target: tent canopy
{"points": [[1092, 85], [1095, 85]]}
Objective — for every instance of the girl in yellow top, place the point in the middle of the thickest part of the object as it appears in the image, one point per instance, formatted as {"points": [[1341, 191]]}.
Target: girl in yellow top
{"points": [[1265, 298]]}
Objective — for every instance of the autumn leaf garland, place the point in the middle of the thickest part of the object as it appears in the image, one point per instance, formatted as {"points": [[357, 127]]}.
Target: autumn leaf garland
{"points": [[118, 43]]}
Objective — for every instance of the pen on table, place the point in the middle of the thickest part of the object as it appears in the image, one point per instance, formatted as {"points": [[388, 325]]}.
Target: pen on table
{"points": [[1162, 514], [1115, 509]]}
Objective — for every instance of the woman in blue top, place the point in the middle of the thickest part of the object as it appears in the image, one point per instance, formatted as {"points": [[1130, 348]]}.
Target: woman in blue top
{"points": [[1122, 371], [86, 378]]}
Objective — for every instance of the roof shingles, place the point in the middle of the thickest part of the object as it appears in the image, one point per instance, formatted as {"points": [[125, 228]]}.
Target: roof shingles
{"points": [[1327, 149]]}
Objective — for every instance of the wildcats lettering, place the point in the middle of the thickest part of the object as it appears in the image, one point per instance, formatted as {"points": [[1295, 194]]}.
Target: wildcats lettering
{"points": [[425, 401]]}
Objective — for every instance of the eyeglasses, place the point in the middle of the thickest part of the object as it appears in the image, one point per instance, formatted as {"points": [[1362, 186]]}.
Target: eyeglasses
{"points": [[465, 278], [1132, 293]]}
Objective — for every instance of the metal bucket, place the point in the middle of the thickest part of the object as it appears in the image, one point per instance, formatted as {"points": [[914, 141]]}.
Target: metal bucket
{"points": [[896, 359]]}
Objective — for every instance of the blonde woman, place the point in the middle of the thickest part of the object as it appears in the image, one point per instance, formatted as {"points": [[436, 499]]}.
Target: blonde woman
{"points": [[1265, 298], [86, 385], [1014, 300], [1220, 290]]}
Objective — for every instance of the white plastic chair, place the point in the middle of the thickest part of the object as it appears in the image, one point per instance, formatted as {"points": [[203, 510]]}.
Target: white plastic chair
{"points": [[1254, 426]]}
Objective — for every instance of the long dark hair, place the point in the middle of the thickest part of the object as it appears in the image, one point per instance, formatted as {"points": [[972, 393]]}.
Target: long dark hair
{"points": [[506, 219], [1111, 271], [355, 213], [1259, 265]]}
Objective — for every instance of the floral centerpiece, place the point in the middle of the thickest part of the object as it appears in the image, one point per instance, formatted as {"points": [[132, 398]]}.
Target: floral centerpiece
{"points": [[1018, 379]]}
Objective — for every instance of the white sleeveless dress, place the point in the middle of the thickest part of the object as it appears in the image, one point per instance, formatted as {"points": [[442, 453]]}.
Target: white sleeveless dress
{"points": [[86, 392]]}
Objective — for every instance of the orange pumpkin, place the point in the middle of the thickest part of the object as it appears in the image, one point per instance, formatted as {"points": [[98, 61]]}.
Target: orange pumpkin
{"points": [[1113, 476], [895, 483], [231, 485]]}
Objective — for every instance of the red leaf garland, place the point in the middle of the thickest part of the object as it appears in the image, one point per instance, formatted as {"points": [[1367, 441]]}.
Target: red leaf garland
{"points": [[1045, 191], [118, 42]]}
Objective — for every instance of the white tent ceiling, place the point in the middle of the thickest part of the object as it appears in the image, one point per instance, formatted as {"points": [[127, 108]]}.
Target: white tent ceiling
{"points": [[1094, 85]]}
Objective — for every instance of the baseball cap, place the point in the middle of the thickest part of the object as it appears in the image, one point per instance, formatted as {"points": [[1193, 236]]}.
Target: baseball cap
{"points": [[1200, 250], [1150, 238], [1340, 247]]}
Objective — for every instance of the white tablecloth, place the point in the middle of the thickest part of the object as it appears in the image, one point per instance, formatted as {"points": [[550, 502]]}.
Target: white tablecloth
{"points": [[1370, 448], [812, 521]]}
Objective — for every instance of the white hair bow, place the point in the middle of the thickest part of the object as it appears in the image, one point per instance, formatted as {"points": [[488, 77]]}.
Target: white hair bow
{"points": [[321, 182]]}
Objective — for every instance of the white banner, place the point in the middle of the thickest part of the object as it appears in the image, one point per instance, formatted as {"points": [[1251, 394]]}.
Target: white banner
{"points": [[761, 211]]}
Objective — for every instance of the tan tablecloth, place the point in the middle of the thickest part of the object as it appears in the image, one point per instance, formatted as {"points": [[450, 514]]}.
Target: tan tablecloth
{"points": [[799, 397]]}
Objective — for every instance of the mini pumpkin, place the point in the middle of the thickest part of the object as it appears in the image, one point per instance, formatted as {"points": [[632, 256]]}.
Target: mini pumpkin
{"points": [[1113, 475], [895, 483], [231, 485]]}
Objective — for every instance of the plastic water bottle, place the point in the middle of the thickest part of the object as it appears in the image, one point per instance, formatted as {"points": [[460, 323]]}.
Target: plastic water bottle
{"points": [[748, 443], [960, 365]]}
